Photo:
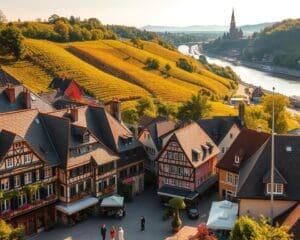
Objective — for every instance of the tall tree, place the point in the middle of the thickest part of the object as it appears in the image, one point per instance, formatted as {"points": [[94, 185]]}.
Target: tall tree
{"points": [[63, 30], [194, 109], [145, 106], [3, 18], [53, 18], [11, 41], [7, 232], [280, 104]]}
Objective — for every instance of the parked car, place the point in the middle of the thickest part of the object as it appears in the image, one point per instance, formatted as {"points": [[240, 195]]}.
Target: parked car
{"points": [[193, 213]]}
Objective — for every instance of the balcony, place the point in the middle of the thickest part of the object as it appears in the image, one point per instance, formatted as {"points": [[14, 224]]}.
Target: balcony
{"points": [[25, 208], [80, 195]]}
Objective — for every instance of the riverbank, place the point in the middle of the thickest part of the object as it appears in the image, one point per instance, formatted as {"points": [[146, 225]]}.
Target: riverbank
{"points": [[285, 72]]}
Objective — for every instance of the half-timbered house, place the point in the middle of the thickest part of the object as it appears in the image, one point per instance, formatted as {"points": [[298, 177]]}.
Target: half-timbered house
{"points": [[186, 165], [28, 171]]}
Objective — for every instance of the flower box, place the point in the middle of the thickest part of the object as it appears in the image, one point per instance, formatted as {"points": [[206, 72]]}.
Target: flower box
{"points": [[23, 207], [6, 213], [38, 201]]}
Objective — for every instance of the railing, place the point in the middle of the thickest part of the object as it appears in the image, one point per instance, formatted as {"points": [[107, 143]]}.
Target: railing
{"points": [[80, 195], [28, 207]]}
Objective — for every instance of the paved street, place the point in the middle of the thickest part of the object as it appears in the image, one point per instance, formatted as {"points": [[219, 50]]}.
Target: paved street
{"points": [[146, 204]]}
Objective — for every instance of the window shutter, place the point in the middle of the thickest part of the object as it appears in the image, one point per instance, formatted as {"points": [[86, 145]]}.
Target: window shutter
{"points": [[53, 171], [22, 179], [11, 182], [42, 173], [33, 177]]}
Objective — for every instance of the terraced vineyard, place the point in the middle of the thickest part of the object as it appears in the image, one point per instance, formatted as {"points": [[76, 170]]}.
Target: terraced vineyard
{"points": [[111, 68], [57, 61]]}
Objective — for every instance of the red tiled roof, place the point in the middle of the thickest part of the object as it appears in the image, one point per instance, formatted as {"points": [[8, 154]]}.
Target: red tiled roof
{"points": [[244, 146]]}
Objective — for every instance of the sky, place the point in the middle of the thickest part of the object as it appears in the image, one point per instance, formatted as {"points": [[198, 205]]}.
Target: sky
{"points": [[156, 12]]}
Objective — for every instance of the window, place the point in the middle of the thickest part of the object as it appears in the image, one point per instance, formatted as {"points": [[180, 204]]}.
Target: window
{"points": [[4, 205], [229, 194], [186, 172], [236, 180], [179, 183], [170, 181], [17, 181], [195, 156], [106, 168], [278, 188], [27, 159], [187, 184], [180, 171], [173, 169], [175, 155], [18, 144], [47, 172], [72, 191], [180, 156], [9, 162], [62, 190], [236, 159], [229, 178], [27, 178], [81, 187], [50, 189], [37, 175], [231, 135], [22, 199], [112, 181], [170, 155], [83, 150], [223, 149], [18, 161], [36, 195], [5, 184]]}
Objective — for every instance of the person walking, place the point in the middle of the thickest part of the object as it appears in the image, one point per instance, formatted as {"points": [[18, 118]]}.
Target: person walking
{"points": [[112, 233], [143, 221], [121, 234], [103, 232]]}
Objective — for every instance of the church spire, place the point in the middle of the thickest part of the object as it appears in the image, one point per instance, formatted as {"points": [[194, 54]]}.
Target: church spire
{"points": [[232, 23]]}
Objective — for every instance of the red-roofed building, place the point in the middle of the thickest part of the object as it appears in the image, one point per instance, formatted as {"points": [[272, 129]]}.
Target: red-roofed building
{"points": [[244, 146], [186, 164]]}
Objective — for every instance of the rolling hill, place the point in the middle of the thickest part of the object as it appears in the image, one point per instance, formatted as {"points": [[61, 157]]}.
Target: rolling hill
{"points": [[111, 68]]}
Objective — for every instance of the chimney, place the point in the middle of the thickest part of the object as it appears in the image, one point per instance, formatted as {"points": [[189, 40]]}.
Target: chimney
{"points": [[27, 99], [74, 113], [11, 93], [115, 109], [242, 113]]}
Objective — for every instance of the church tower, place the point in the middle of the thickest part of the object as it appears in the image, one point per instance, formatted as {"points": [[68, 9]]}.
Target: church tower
{"points": [[232, 24]]}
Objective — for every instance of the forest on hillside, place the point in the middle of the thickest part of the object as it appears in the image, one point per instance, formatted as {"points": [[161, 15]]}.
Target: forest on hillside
{"points": [[278, 44]]}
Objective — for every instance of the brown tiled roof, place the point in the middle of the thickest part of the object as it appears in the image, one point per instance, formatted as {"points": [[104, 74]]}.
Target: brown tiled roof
{"points": [[245, 145], [145, 121], [191, 137], [291, 220]]}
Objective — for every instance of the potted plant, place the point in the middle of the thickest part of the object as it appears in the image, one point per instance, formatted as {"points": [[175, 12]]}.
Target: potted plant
{"points": [[177, 204]]}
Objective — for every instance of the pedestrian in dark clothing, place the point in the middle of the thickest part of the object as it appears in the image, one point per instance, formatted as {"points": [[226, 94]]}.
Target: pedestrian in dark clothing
{"points": [[143, 221], [103, 232]]}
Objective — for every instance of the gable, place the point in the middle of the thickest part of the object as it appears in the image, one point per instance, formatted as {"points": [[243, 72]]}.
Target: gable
{"points": [[19, 154]]}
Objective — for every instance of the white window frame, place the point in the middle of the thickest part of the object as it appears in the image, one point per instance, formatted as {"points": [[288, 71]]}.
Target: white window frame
{"points": [[278, 188], [5, 184], [9, 163], [50, 189], [236, 180], [22, 199], [37, 175], [36, 195], [17, 181], [47, 172], [4, 205], [187, 185], [27, 159], [229, 178], [27, 177]]}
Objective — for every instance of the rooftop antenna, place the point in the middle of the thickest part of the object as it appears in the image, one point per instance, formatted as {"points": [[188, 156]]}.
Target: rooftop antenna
{"points": [[272, 160]]}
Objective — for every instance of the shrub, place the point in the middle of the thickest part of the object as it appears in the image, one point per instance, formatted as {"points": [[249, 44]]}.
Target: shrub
{"points": [[152, 64], [185, 65]]}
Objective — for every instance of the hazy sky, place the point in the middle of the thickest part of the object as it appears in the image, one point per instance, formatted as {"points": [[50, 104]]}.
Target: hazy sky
{"points": [[156, 12]]}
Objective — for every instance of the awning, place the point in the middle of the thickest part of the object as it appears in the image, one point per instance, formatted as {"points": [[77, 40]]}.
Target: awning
{"points": [[208, 184], [112, 201], [222, 215], [170, 191], [77, 206]]}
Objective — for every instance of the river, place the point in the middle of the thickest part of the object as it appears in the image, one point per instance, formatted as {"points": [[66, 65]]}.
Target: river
{"points": [[289, 86]]}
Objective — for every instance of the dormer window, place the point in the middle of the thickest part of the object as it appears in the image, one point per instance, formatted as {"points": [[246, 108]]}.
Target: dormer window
{"points": [[86, 137], [236, 159], [195, 155], [18, 144], [278, 188]]}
